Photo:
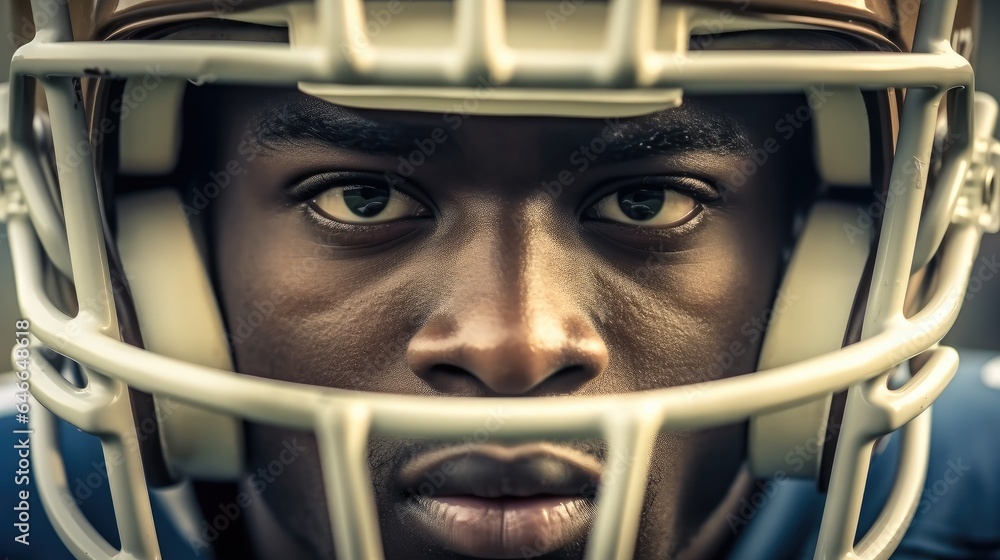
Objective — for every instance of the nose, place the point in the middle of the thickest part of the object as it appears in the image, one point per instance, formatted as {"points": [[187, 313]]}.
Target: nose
{"points": [[511, 324], [507, 356]]}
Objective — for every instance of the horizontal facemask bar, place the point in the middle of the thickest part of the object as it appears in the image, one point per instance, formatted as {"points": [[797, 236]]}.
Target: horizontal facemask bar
{"points": [[706, 72], [629, 62], [688, 407]]}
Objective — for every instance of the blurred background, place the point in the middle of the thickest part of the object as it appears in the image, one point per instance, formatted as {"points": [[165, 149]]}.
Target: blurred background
{"points": [[978, 326]]}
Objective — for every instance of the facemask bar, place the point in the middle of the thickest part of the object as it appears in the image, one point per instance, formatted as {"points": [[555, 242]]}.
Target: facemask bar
{"points": [[344, 420]]}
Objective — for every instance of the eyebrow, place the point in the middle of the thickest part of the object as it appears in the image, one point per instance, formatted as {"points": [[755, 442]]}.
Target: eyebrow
{"points": [[683, 129], [314, 120]]}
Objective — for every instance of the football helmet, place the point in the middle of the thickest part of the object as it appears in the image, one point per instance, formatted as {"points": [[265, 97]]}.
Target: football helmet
{"points": [[907, 131]]}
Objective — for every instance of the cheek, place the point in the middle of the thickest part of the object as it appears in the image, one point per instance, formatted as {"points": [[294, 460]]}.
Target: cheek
{"points": [[295, 313], [675, 323]]}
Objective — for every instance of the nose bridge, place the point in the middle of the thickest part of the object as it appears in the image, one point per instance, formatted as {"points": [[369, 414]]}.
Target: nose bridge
{"points": [[523, 287], [518, 288], [511, 319]]}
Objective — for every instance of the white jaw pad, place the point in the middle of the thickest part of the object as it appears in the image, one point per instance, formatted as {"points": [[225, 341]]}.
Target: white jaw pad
{"points": [[178, 317], [810, 317]]}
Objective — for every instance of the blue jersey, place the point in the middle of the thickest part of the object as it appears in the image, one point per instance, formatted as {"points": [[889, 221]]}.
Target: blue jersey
{"points": [[958, 516]]}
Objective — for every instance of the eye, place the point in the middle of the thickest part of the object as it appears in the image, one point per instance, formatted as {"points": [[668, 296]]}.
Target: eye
{"points": [[643, 206], [367, 204]]}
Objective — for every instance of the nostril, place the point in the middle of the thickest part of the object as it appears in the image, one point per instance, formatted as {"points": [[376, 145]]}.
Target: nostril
{"points": [[500, 359], [454, 380], [457, 381], [448, 369], [564, 381]]}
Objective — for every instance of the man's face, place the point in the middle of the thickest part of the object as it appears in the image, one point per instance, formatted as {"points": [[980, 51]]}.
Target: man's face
{"points": [[475, 256]]}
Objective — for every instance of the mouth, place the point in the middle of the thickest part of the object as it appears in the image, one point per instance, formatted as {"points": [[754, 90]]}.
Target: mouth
{"points": [[490, 501]]}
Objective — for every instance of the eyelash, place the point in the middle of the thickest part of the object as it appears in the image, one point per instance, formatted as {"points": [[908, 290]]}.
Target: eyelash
{"points": [[705, 193], [315, 185]]}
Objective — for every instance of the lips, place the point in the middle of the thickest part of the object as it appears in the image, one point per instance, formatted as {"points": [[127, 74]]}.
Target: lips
{"points": [[491, 501]]}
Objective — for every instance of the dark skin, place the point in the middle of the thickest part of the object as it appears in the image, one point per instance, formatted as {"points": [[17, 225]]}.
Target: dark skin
{"points": [[491, 285]]}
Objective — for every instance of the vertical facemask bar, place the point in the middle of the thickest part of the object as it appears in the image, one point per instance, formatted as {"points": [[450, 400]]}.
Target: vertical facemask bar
{"points": [[342, 433], [91, 278], [885, 308], [25, 158], [907, 188], [888, 530], [630, 39], [74, 168], [899, 407], [341, 22], [620, 497], [75, 531], [884, 410], [84, 226], [890, 279], [940, 16], [940, 207], [479, 36]]}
